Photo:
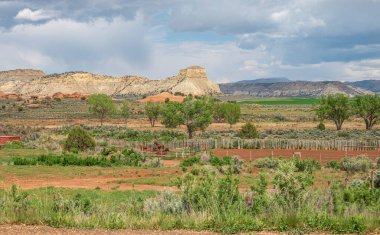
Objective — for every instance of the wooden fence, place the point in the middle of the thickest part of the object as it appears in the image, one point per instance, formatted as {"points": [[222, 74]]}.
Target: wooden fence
{"points": [[236, 143]]}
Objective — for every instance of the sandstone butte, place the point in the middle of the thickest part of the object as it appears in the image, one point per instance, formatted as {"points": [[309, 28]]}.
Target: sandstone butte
{"points": [[192, 80]]}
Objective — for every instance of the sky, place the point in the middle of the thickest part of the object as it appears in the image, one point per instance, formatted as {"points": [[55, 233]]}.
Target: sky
{"points": [[234, 40]]}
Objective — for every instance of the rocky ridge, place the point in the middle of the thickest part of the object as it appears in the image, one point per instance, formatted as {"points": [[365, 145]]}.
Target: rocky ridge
{"points": [[191, 80]]}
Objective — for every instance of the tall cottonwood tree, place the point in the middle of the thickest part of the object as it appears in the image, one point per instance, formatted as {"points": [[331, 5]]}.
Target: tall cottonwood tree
{"points": [[368, 108], [195, 114], [231, 112], [100, 106], [124, 110], [334, 107], [152, 111]]}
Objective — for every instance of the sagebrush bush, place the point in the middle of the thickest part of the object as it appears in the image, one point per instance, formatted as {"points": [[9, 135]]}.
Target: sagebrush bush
{"points": [[80, 139], [268, 162], [356, 164], [153, 162], [165, 202]]}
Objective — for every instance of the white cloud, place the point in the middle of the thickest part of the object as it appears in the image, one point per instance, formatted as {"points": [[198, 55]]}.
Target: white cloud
{"points": [[40, 14], [72, 45]]}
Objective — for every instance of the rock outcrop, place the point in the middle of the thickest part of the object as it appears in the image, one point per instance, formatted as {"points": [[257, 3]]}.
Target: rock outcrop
{"points": [[192, 80]]}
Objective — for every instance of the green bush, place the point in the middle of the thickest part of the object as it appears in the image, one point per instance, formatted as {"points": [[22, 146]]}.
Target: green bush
{"points": [[376, 176], [129, 157], [268, 162], [310, 165], [321, 126], [80, 139], [107, 151], [334, 165], [248, 131], [190, 161], [357, 164], [132, 158], [14, 145]]}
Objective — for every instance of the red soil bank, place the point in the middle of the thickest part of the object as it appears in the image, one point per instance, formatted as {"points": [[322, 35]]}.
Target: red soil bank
{"points": [[5, 139], [322, 156]]}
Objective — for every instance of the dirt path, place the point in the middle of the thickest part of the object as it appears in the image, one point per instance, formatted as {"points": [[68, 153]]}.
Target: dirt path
{"points": [[103, 183]]}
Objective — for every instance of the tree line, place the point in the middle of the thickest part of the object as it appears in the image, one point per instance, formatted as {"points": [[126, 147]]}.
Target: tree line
{"points": [[339, 107], [196, 113]]}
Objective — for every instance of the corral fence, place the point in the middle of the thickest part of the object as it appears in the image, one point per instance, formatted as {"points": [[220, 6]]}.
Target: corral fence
{"points": [[237, 143]]}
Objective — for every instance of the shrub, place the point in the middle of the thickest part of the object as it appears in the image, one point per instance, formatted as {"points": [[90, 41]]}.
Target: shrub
{"points": [[376, 176], [153, 162], [268, 162], [132, 158], [204, 192], [334, 165], [321, 126], [165, 202], [248, 131], [291, 185], [306, 164], [358, 164], [107, 151], [128, 158], [80, 139], [14, 145], [190, 161]]}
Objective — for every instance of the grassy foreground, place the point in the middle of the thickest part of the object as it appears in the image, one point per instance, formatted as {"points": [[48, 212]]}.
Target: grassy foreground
{"points": [[207, 200]]}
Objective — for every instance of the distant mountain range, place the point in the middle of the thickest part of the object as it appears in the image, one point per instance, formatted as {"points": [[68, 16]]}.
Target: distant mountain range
{"points": [[371, 85], [264, 80], [283, 87]]}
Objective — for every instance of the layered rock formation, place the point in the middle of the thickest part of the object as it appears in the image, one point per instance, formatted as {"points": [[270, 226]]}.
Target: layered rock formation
{"points": [[192, 80]]}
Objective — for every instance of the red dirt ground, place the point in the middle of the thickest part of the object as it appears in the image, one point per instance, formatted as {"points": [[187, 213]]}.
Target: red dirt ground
{"points": [[103, 183], [323, 156]]}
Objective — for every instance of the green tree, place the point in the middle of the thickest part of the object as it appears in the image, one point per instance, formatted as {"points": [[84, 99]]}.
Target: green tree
{"points": [[124, 109], [152, 111], [193, 113], [334, 107], [100, 106], [248, 131], [78, 138], [218, 111], [231, 112], [368, 108]]}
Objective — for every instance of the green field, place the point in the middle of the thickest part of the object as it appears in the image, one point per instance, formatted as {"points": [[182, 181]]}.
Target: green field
{"points": [[280, 101]]}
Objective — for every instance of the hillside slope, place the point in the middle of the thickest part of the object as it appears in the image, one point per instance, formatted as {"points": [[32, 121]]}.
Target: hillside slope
{"points": [[371, 85], [290, 89]]}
